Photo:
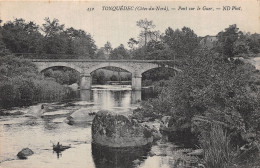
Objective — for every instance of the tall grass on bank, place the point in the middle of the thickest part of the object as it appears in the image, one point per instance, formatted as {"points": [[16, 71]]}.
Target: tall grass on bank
{"points": [[216, 146], [48, 90]]}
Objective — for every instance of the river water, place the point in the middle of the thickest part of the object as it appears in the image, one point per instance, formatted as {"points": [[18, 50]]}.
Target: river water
{"points": [[38, 133]]}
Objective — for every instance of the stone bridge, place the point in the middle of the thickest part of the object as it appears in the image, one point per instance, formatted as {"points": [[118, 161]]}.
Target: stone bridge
{"points": [[86, 67]]}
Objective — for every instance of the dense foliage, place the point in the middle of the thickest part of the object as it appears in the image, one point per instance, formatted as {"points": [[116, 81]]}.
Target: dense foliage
{"points": [[21, 85], [64, 76], [51, 40]]}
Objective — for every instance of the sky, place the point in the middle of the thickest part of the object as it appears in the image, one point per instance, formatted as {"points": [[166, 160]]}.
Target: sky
{"points": [[118, 27]]}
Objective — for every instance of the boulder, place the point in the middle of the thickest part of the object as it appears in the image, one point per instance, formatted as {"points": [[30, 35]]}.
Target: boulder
{"points": [[24, 153], [115, 130], [81, 115], [197, 152], [36, 111], [155, 132], [74, 86], [167, 124]]}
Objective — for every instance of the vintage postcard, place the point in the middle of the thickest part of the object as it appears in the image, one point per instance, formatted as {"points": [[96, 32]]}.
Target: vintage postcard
{"points": [[124, 84]]}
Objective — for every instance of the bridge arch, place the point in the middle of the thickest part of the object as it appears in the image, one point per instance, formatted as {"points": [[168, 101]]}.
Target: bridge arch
{"points": [[111, 64], [154, 66], [42, 67]]}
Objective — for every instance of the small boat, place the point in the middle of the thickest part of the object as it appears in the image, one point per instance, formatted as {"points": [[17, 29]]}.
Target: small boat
{"points": [[60, 147]]}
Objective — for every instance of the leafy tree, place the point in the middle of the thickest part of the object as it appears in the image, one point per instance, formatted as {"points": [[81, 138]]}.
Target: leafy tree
{"points": [[79, 44], [52, 28], [147, 26], [119, 53], [241, 45], [84, 45], [210, 86], [226, 41], [182, 42], [54, 41], [254, 43], [139, 53], [132, 43], [100, 54], [108, 47], [21, 37]]}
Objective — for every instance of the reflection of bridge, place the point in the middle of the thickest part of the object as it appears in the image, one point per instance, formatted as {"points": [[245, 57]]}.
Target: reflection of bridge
{"points": [[85, 95], [85, 67]]}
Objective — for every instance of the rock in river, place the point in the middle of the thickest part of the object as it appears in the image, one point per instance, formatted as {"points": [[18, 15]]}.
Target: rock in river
{"points": [[115, 130], [167, 124], [24, 153], [81, 115]]}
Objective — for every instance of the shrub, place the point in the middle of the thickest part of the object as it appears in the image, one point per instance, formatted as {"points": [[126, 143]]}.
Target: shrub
{"points": [[7, 96], [22, 85], [48, 90], [114, 78]]}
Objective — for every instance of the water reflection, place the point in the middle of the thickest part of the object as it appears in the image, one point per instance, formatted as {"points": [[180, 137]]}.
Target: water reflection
{"points": [[111, 98], [18, 132], [85, 95], [136, 96], [118, 157]]}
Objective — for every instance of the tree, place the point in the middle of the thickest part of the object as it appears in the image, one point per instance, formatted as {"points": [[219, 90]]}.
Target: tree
{"points": [[52, 28], [85, 46], [146, 26], [54, 37], [75, 43], [132, 43], [182, 42], [119, 53], [108, 47], [80, 43], [100, 54], [241, 45], [21, 37], [210, 86], [226, 41], [254, 43]]}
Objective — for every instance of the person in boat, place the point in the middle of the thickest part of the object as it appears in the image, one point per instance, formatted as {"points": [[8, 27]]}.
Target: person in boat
{"points": [[57, 147]]}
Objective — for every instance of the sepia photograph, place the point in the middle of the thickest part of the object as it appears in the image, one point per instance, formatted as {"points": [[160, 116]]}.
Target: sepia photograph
{"points": [[130, 84]]}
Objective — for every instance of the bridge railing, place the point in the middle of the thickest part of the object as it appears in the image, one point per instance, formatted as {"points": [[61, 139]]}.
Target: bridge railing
{"points": [[97, 60], [41, 57]]}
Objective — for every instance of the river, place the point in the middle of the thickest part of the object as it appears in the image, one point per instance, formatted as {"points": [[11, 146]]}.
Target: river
{"points": [[20, 131]]}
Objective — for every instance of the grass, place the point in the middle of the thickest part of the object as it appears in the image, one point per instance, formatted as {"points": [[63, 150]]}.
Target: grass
{"points": [[216, 145]]}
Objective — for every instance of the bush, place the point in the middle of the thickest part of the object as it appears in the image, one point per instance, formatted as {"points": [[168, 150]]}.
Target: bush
{"points": [[114, 78], [7, 96], [25, 87], [48, 90], [101, 79], [21, 85]]}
